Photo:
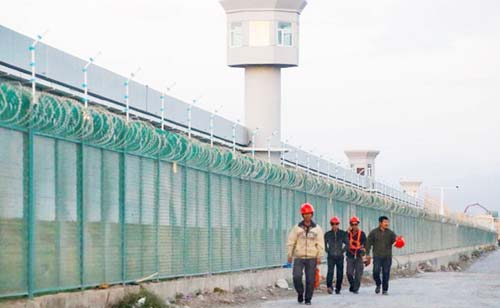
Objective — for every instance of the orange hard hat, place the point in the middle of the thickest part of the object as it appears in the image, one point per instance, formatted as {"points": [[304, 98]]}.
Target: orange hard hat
{"points": [[335, 220], [306, 208], [400, 242], [354, 220]]}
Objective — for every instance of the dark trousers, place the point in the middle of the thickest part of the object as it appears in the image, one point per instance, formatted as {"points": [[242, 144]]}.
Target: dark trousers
{"points": [[382, 264], [309, 267], [337, 261], [355, 268]]}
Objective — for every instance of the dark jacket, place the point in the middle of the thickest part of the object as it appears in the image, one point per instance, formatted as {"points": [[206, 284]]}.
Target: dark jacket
{"points": [[356, 253], [336, 243], [381, 241]]}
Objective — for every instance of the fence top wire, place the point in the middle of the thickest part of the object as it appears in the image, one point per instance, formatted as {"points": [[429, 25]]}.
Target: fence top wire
{"points": [[66, 118]]}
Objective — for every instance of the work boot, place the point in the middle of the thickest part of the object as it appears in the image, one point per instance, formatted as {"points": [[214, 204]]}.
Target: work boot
{"points": [[377, 290], [385, 293], [308, 302], [300, 298], [337, 291], [351, 289], [329, 290]]}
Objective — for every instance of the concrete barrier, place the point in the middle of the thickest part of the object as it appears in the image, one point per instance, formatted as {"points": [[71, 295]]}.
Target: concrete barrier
{"points": [[436, 259]]}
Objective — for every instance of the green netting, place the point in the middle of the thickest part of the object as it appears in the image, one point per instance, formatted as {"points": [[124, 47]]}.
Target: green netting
{"points": [[13, 240], [88, 198]]}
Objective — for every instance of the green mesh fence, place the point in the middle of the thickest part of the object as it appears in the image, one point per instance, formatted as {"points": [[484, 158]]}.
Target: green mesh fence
{"points": [[88, 198]]}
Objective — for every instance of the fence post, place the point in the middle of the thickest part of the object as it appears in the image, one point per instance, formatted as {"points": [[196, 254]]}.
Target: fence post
{"points": [[184, 218], [122, 188], [141, 216], [249, 235], [266, 223], [280, 224], [209, 210], [80, 206], [30, 214], [57, 214], [157, 217], [231, 219], [104, 218]]}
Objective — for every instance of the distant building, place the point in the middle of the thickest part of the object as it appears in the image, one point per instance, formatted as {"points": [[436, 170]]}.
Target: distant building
{"points": [[412, 188], [485, 220], [362, 161], [497, 227]]}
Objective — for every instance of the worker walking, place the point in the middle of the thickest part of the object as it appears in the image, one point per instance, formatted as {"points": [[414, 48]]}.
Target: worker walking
{"points": [[355, 254], [306, 246], [336, 243], [382, 239]]}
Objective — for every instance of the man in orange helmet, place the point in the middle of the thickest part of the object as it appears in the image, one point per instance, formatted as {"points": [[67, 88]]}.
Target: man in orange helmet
{"points": [[336, 244], [381, 239], [355, 254], [305, 247]]}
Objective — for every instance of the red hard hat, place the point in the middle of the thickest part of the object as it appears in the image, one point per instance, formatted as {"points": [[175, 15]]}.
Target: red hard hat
{"points": [[306, 208], [400, 242], [335, 220], [354, 220]]}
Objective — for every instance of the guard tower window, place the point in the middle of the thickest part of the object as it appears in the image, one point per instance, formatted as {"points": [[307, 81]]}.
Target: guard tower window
{"points": [[236, 35], [285, 34], [259, 33]]}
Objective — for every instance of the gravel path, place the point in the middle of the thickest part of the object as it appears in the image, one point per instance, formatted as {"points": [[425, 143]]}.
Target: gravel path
{"points": [[478, 286]]}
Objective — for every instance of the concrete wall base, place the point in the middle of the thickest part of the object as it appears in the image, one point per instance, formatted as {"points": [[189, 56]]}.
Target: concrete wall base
{"points": [[248, 279], [436, 259]]}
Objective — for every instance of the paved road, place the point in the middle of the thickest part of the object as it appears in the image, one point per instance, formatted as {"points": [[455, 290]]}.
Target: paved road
{"points": [[479, 286]]}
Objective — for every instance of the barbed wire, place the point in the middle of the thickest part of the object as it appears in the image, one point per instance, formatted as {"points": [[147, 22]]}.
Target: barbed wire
{"points": [[67, 118]]}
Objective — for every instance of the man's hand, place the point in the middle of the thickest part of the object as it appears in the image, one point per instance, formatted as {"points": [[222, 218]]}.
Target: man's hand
{"points": [[289, 260], [368, 260], [318, 261]]}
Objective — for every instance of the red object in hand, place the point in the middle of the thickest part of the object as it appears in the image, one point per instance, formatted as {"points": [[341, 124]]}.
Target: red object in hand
{"points": [[317, 279], [400, 242]]}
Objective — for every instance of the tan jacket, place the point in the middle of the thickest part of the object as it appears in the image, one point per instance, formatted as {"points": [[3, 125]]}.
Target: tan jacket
{"points": [[306, 245]]}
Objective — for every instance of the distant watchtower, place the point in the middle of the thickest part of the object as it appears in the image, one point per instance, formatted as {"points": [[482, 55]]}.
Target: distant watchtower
{"points": [[263, 37], [362, 161]]}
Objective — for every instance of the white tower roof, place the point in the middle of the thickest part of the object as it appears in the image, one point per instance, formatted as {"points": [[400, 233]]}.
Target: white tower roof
{"points": [[274, 5]]}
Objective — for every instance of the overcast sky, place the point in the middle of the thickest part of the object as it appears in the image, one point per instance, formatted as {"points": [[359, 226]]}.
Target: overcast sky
{"points": [[417, 80]]}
